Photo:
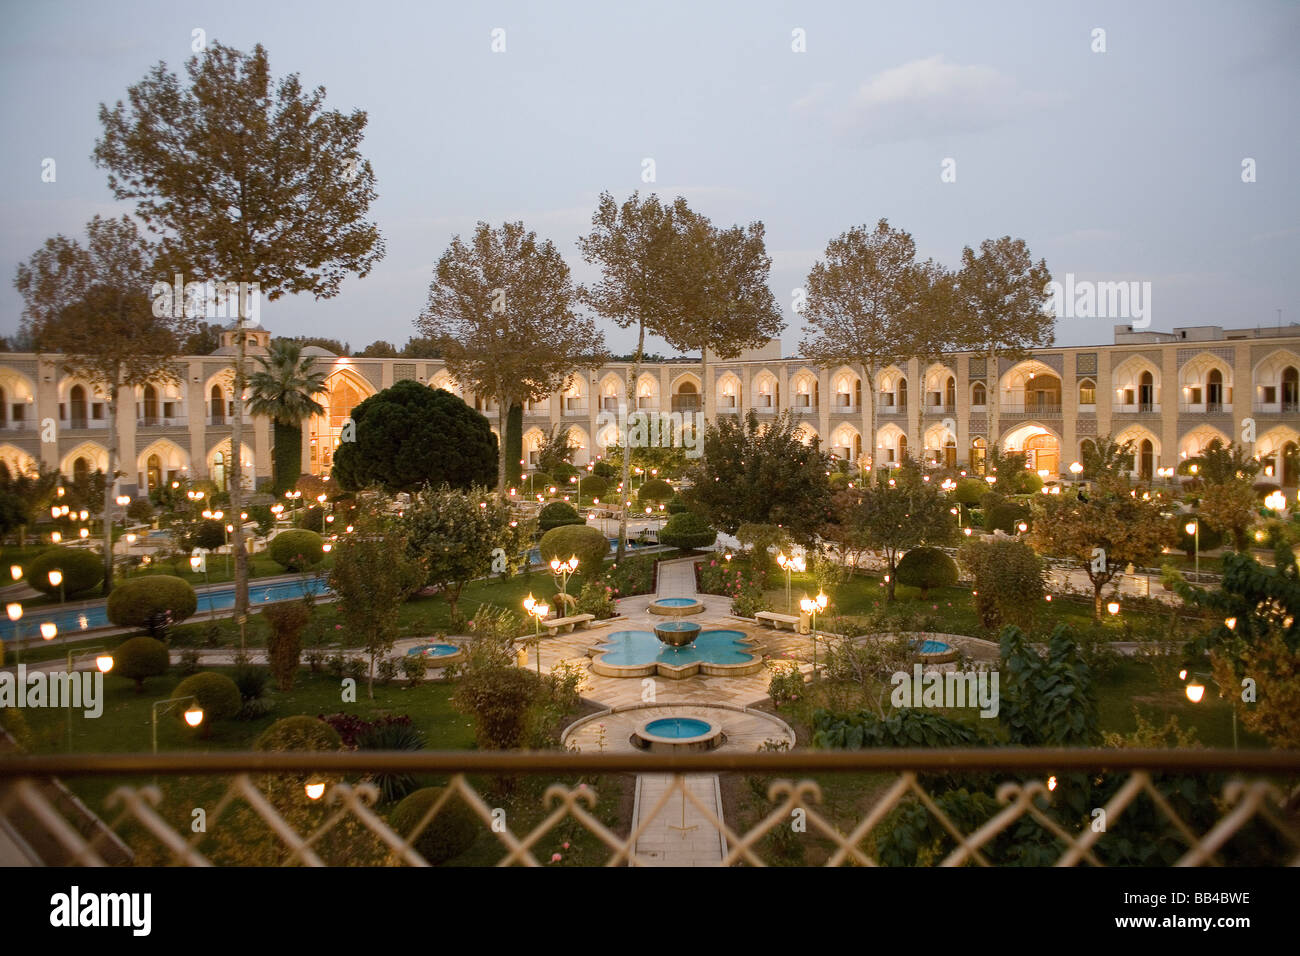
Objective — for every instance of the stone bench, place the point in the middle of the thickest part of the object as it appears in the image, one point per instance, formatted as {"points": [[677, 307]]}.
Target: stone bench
{"points": [[776, 620], [556, 624]]}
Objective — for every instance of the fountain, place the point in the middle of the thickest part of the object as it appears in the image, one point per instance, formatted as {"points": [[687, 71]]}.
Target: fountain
{"points": [[676, 606], [677, 735], [677, 633]]}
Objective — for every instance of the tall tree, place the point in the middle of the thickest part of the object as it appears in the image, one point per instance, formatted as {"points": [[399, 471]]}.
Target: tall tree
{"points": [[870, 304], [501, 311], [644, 249], [1001, 297], [249, 183], [91, 306], [762, 475], [284, 389], [30, 493], [735, 307], [901, 511]]}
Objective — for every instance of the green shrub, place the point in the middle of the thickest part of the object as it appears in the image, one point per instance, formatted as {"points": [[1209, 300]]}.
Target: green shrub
{"points": [[596, 598], [537, 483], [209, 535], [140, 657], [557, 514], [1211, 538], [594, 486], [676, 505], [632, 575], [584, 541], [562, 473], [688, 531], [297, 550], [1007, 577], [140, 601], [447, 835], [969, 491], [498, 699], [82, 570], [287, 620], [414, 668], [654, 489], [1006, 516], [263, 516], [141, 510], [299, 733], [605, 470], [216, 694], [313, 519], [927, 568]]}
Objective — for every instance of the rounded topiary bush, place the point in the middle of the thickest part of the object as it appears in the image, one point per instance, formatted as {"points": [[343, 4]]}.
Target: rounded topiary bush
{"points": [[216, 694], [82, 570], [605, 470], [140, 657], [209, 535], [562, 472], [594, 486], [556, 515], [582, 540], [688, 531], [655, 489], [301, 732], [538, 482], [676, 505], [313, 519], [927, 568], [447, 835], [297, 550], [969, 491], [1005, 516], [1211, 538], [139, 601], [1026, 482]]}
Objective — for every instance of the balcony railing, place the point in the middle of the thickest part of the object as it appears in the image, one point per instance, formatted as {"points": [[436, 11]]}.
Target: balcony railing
{"points": [[1199, 807], [161, 421], [1032, 409], [1204, 408], [1276, 408], [81, 421], [18, 425], [891, 409]]}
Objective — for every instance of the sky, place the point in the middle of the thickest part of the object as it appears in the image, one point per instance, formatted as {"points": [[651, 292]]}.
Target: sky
{"points": [[1122, 165]]}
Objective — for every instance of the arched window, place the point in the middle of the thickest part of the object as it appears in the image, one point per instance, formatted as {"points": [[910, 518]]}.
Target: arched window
{"points": [[950, 453], [80, 471], [1214, 391], [1146, 392], [1146, 468], [950, 394], [1290, 389], [77, 407], [219, 470], [1087, 449], [150, 409], [978, 395], [153, 473], [902, 448], [978, 455], [1290, 464], [218, 403], [1087, 392]]}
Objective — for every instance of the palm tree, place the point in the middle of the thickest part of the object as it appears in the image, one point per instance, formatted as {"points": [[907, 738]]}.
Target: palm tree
{"points": [[283, 390]]}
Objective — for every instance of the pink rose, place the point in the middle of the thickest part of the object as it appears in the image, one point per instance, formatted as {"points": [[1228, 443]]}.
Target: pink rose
{"points": [[555, 858]]}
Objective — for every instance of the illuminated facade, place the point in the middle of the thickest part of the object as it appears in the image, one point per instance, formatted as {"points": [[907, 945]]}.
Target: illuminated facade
{"points": [[1171, 393]]}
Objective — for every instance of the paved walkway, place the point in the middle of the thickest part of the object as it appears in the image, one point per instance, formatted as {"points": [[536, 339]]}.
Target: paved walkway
{"points": [[679, 834]]}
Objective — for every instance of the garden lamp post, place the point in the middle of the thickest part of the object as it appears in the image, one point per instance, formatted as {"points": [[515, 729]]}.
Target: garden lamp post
{"points": [[1194, 528], [15, 612], [16, 571], [563, 569], [56, 581], [193, 714], [811, 607], [1195, 690], [537, 610], [103, 662]]}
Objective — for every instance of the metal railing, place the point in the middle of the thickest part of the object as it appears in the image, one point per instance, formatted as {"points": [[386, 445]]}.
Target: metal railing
{"points": [[1253, 803]]}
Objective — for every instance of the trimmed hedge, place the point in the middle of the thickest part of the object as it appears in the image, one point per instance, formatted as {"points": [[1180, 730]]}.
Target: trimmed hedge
{"points": [[297, 550], [655, 489], [82, 570], [688, 531], [301, 732], [927, 568], [970, 491], [217, 694], [136, 602], [594, 486], [447, 835], [582, 540], [557, 514], [140, 657]]}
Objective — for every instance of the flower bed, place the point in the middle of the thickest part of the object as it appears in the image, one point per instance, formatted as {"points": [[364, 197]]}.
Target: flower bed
{"points": [[633, 575], [743, 587]]}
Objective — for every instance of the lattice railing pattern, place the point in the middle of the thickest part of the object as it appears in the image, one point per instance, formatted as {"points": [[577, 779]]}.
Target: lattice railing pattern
{"points": [[1260, 790]]}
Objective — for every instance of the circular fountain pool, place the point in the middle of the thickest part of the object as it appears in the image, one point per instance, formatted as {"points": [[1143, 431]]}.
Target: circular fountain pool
{"points": [[437, 654], [677, 735], [934, 652], [676, 606]]}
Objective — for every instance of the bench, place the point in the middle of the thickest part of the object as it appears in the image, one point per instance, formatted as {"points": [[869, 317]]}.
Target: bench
{"points": [[555, 624], [776, 620]]}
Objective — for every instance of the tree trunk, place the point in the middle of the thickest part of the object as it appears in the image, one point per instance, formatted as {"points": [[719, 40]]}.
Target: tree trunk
{"points": [[993, 397], [503, 413], [110, 479], [893, 576], [627, 444], [237, 464]]}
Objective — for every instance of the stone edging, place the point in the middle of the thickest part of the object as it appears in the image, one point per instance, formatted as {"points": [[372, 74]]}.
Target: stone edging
{"points": [[641, 705]]}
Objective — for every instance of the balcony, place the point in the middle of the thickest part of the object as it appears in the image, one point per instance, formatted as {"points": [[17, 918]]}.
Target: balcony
{"points": [[161, 421], [81, 421], [764, 405], [686, 403], [574, 406], [1031, 410], [1235, 796], [1204, 408], [1277, 408], [891, 410], [19, 425], [1135, 408]]}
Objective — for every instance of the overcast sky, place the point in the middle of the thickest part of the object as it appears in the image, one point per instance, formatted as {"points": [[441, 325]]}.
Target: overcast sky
{"points": [[1122, 165]]}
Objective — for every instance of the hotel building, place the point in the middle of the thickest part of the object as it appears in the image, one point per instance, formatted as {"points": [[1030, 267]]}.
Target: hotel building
{"points": [[1170, 392]]}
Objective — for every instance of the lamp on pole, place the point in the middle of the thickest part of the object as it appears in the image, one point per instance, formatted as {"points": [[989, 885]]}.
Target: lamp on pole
{"points": [[103, 662], [56, 581], [788, 565], [537, 610], [193, 714], [1193, 527], [563, 569], [15, 612], [812, 606], [1195, 691]]}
